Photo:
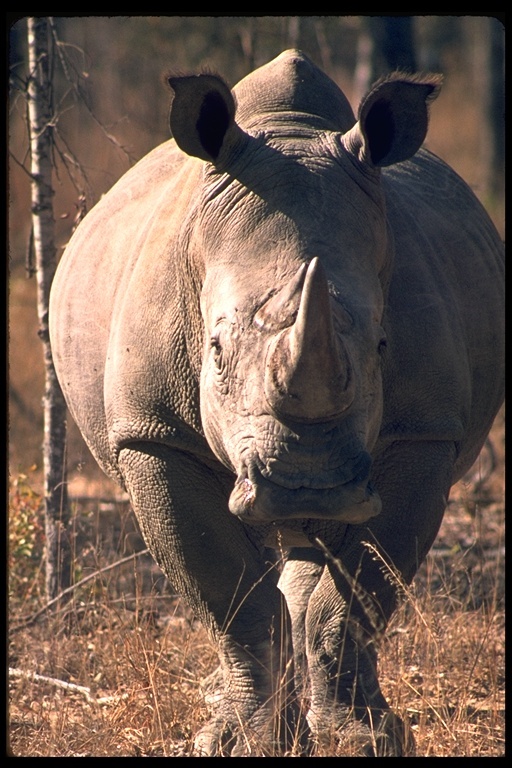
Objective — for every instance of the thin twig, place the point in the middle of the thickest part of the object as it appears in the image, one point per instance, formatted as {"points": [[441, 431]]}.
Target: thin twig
{"points": [[35, 616], [81, 95]]}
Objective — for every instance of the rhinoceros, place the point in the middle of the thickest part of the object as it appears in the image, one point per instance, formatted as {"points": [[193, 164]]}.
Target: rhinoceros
{"points": [[282, 332]]}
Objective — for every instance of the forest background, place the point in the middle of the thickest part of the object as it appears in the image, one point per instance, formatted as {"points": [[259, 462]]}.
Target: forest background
{"points": [[111, 107]]}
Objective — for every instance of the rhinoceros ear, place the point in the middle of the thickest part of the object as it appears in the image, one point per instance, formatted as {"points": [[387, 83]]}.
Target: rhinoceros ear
{"points": [[393, 119], [202, 114]]}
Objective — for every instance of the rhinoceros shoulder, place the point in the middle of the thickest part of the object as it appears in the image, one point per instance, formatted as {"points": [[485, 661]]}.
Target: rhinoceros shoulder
{"points": [[108, 268], [445, 302]]}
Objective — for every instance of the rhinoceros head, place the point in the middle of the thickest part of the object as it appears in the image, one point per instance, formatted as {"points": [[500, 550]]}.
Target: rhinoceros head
{"points": [[291, 230]]}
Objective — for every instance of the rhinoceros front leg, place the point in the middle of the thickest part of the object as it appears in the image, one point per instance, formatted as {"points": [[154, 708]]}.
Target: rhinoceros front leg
{"points": [[182, 510], [298, 579], [357, 594]]}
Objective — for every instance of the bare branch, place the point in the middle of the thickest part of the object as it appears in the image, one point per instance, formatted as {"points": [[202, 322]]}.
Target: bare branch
{"points": [[82, 95], [65, 592]]}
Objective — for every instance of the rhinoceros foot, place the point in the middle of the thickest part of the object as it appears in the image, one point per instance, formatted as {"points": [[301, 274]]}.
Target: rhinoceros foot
{"points": [[249, 725], [350, 733], [387, 736], [232, 733], [393, 737]]}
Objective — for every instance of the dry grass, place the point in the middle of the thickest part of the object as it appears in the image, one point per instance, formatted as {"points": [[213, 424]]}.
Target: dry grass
{"points": [[443, 658], [136, 656]]}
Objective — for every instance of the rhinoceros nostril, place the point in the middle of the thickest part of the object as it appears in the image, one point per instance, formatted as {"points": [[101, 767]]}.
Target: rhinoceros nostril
{"points": [[248, 491]]}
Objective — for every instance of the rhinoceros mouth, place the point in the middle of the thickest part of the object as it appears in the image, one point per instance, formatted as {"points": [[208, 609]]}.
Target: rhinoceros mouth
{"points": [[256, 499]]}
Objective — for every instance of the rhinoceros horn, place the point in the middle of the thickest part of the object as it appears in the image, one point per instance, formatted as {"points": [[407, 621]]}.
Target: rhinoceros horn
{"points": [[308, 374]]}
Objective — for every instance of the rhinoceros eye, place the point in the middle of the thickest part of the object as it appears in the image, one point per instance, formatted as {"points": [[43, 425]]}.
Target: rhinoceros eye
{"points": [[216, 347], [220, 360], [383, 343]]}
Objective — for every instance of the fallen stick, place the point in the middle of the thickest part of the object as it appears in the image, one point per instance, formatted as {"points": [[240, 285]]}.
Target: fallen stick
{"points": [[72, 687]]}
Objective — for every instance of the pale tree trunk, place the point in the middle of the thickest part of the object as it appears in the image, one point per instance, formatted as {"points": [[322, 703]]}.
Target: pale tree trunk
{"points": [[294, 30], [247, 34], [58, 559]]}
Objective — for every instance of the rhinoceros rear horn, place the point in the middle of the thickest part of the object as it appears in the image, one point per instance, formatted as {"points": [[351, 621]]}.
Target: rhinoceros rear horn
{"points": [[202, 114]]}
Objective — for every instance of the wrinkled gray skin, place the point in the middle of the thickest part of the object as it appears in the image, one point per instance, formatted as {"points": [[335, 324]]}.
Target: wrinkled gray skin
{"points": [[271, 342]]}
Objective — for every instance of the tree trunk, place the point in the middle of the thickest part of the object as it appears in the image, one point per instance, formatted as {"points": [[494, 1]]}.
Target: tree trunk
{"points": [[58, 551], [386, 43], [497, 107], [393, 44]]}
